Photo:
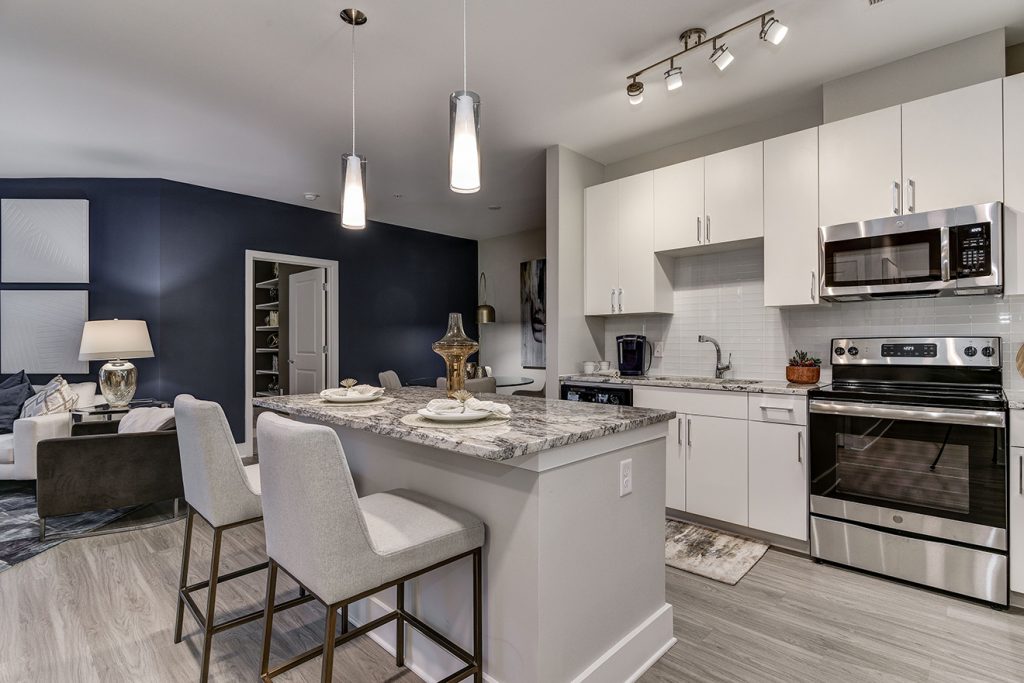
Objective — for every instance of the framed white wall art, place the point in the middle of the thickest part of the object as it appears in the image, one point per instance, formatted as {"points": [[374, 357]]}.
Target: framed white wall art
{"points": [[44, 240], [41, 331]]}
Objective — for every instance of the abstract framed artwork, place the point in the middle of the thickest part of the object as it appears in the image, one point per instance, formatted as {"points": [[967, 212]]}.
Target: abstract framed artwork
{"points": [[44, 240], [41, 331], [532, 312]]}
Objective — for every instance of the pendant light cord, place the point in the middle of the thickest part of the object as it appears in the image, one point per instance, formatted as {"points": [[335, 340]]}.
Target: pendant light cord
{"points": [[464, 79], [353, 88]]}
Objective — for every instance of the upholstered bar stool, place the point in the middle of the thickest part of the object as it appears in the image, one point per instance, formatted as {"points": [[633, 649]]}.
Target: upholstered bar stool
{"points": [[226, 494], [342, 548]]}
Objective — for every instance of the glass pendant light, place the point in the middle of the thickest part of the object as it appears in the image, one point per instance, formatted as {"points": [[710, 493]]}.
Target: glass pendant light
{"points": [[353, 166], [464, 132]]}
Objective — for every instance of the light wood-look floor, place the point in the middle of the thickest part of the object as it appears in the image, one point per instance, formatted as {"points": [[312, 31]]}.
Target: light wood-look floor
{"points": [[102, 609]]}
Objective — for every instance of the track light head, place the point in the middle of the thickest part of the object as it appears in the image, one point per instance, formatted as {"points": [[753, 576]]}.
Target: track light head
{"points": [[635, 90], [773, 31], [721, 57], [673, 78]]}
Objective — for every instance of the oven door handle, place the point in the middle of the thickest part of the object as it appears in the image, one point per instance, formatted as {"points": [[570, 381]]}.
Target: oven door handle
{"points": [[959, 416]]}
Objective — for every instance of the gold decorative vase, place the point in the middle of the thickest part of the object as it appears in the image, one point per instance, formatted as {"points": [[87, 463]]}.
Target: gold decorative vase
{"points": [[455, 347]]}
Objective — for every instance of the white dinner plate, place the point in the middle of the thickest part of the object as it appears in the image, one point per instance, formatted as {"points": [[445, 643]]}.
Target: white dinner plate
{"points": [[352, 398], [468, 416]]}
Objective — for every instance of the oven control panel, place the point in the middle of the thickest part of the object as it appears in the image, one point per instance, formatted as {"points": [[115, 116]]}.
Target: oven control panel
{"points": [[981, 352]]}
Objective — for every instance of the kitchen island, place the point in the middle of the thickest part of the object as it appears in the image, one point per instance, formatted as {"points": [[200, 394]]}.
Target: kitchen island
{"points": [[574, 578]]}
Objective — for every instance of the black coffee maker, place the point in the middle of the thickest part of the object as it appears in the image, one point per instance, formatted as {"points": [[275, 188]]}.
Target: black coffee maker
{"points": [[635, 355]]}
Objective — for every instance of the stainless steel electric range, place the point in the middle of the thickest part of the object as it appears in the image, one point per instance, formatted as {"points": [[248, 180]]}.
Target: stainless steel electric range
{"points": [[908, 463]]}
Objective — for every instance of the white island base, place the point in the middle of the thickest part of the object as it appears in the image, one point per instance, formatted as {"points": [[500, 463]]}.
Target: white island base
{"points": [[574, 576]]}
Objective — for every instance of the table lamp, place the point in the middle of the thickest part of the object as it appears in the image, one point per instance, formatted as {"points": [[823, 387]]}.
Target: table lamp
{"points": [[113, 341]]}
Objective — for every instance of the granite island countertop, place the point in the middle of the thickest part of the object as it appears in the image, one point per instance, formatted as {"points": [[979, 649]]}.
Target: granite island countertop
{"points": [[751, 386], [536, 424]]}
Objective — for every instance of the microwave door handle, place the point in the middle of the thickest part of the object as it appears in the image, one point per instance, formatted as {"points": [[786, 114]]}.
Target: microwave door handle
{"points": [[944, 253]]}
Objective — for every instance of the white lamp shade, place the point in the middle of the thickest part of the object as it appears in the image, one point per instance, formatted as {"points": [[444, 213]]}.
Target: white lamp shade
{"points": [[464, 155], [110, 339], [353, 197]]}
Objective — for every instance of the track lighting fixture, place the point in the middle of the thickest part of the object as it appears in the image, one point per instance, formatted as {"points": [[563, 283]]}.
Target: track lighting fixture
{"points": [[673, 77], [772, 31], [635, 90]]}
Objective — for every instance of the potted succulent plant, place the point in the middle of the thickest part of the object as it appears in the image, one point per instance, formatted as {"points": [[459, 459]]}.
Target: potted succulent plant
{"points": [[803, 368]]}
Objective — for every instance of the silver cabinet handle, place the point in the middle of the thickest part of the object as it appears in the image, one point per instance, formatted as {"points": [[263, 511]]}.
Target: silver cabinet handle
{"points": [[707, 229], [911, 192], [679, 431], [689, 430], [896, 197], [613, 299], [814, 281], [800, 446], [620, 301], [698, 230], [1020, 474]]}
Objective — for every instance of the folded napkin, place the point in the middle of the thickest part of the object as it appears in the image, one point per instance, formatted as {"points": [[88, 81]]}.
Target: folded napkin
{"points": [[358, 390], [448, 406]]}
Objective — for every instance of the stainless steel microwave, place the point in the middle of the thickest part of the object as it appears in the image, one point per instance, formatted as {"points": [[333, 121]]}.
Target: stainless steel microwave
{"points": [[935, 253]]}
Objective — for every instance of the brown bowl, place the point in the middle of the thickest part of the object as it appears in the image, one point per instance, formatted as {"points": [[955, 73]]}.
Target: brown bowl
{"points": [[802, 375]]}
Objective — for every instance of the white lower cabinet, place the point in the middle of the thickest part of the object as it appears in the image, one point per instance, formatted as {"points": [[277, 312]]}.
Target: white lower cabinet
{"points": [[716, 468], [1016, 519], [675, 465], [777, 474]]}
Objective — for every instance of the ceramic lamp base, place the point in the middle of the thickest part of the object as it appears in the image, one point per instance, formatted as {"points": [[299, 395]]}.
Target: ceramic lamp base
{"points": [[118, 381]]}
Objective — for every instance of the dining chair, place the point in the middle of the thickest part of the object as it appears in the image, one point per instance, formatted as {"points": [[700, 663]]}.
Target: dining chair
{"points": [[343, 548], [389, 379]]}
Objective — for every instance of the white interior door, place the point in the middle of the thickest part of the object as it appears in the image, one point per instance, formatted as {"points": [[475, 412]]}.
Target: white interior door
{"points": [[307, 339]]}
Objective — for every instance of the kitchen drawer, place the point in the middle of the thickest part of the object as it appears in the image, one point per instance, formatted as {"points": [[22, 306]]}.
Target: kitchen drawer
{"points": [[1017, 427], [783, 408], [712, 403]]}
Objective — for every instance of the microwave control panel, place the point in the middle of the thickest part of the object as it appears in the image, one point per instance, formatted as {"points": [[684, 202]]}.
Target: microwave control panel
{"points": [[973, 250]]}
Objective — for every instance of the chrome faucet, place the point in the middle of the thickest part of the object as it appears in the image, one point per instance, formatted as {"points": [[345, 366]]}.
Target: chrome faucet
{"points": [[720, 369]]}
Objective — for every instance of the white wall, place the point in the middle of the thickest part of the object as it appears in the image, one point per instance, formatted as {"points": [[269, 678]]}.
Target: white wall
{"points": [[571, 336], [722, 295], [499, 259], [966, 62]]}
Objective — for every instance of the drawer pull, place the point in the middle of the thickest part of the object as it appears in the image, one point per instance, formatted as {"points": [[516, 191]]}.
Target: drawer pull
{"points": [[786, 409]]}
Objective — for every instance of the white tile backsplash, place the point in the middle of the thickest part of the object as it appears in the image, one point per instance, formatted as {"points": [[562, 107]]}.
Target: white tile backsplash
{"points": [[722, 295]]}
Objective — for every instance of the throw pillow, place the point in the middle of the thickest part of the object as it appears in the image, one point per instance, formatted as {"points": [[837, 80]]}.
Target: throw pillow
{"points": [[14, 380], [56, 397], [12, 397]]}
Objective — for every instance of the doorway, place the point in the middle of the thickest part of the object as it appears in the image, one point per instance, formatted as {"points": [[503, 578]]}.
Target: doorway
{"points": [[291, 337]]}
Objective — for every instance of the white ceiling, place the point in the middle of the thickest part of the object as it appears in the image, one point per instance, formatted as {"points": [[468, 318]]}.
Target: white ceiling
{"points": [[252, 96]]}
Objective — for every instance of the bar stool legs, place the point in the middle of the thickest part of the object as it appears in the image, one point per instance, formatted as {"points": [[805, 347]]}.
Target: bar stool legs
{"points": [[478, 616], [183, 577], [400, 625]]}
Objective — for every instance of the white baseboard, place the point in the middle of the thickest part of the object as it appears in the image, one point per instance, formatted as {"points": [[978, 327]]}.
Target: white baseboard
{"points": [[628, 659]]}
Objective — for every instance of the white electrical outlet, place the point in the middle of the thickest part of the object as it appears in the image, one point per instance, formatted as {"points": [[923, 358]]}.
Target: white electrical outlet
{"points": [[626, 477], [659, 349]]}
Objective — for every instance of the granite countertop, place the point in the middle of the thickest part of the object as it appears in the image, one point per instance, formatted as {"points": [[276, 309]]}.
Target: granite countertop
{"points": [[752, 386], [536, 424]]}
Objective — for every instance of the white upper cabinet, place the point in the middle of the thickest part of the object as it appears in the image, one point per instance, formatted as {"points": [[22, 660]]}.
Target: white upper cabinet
{"points": [[601, 248], [791, 219], [953, 149], [621, 271], [860, 167], [734, 194], [679, 205], [1013, 165]]}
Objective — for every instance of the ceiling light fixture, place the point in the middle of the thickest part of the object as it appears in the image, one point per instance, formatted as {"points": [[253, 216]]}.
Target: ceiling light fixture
{"points": [[464, 132], [772, 31], [353, 167], [635, 91], [673, 77]]}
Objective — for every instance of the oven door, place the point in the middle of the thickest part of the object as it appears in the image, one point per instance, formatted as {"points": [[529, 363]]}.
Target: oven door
{"points": [[926, 471]]}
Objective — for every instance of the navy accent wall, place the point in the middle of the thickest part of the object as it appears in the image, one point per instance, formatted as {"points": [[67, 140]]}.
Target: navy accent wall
{"points": [[174, 255]]}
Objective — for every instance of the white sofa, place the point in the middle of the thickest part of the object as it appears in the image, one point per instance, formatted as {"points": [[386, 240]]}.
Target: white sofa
{"points": [[18, 450]]}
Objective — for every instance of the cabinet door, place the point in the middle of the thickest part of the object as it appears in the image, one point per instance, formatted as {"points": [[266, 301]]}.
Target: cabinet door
{"points": [[601, 248], [1016, 520], [675, 465], [778, 479], [734, 194], [679, 205], [636, 244], [1013, 165], [716, 468], [791, 219], [953, 148], [860, 167]]}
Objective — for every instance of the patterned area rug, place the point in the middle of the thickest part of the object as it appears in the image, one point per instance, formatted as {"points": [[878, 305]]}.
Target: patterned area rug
{"points": [[19, 523], [711, 553]]}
